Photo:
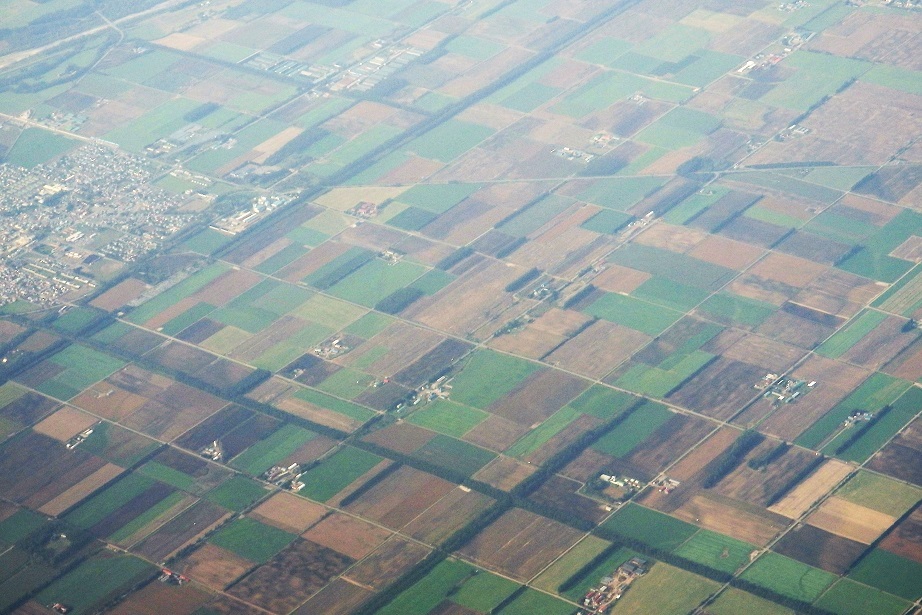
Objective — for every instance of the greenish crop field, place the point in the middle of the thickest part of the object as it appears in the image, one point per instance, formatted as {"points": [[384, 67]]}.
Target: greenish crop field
{"points": [[716, 551], [36, 146], [619, 193], [535, 216], [570, 563], [454, 455], [633, 313], [449, 140], [848, 336], [484, 591], [901, 412], [672, 266], [653, 528], [428, 592], [93, 583], [890, 573], [734, 601], [337, 472], [679, 128], [734, 309], [375, 280], [449, 418], [237, 493], [685, 591], [670, 294], [268, 451], [880, 493], [849, 598], [251, 539], [187, 287], [532, 601], [607, 221], [347, 383], [487, 376], [636, 428], [789, 577], [603, 402], [591, 578], [340, 406], [659, 381], [124, 534], [538, 437], [19, 525], [83, 366]]}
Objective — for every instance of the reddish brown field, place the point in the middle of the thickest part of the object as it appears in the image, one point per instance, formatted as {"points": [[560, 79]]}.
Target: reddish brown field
{"points": [[726, 252], [348, 535], [907, 364], [182, 357], [181, 530], [214, 567], [404, 343], [759, 486], [387, 563], [405, 438], [447, 515], [555, 249], [838, 292], [538, 397], [80, 490], [790, 270], [732, 518], [495, 433], [109, 400], [811, 489], [401, 497], [769, 354], [65, 423], [850, 520], [120, 294], [676, 436], [879, 346], [902, 457], [721, 389], [560, 494], [504, 473], [520, 544], [289, 512], [819, 548], [157, 598], [338, 598], [291, 577], [906, 538], [543, 335], [598, 349]]}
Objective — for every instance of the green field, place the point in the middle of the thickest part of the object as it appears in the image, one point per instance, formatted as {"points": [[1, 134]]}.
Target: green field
{"points": [[375, 280], [329, 311], [150, 515], [282, 258], [668, 293], [789, 577], [89, 586], [901, 412], [19, 525], [674, 43], [891, 573], [849, 598], [904, 297], [448, 417], [603, 402], [369, 325], [484, 591], [346, 408], [157, 123], [653, 528], [846, 337], [36, 146], [665, 590], [487, 376], [607, 221], [633, 313], [206, 241], [659, 381], [607, 88], [716, 551], [448, 140], [272, 449], [437, 198], [672, 266], [336, 472], [251, 539], [538, 437], [880, 493], [734, 601], [816, 75], [681, 127], [592, 577], [636, 428], [536, 215], [708, 66], [894, 77], [733, 309], [532, 601], [872, 395], [455, 455], [189, 317], [530, 97], [82, 367], [431, 590], [101, 505], [237, 493], [619, 193], [767, 179], [604, 51], [189, 286], [696, 203], [570, 563], [118, 445]]}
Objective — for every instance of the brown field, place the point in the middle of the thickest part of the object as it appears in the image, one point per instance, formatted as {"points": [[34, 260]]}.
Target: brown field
{"points": [[598, 349], [312, 412], [157, 598], [312, 261], [664, 445], [80, 490], [274, 143], [348, 535], [732, 518], [109, 400], [543, 334], [560, 494], [673, 238], [834, 381], [120, 294], [183, 529], [405, 438], [907, 364], [495, 433], [8, 331], [448, 515], [619, 279], [726, 252], [755, 287], [721, 389], [759, 486], [180, 506], [222, 604], [520, 544], [770, 354], [404, 343], [289, 512], [790, 270], [902, 457], [553, 250], [819, 548], [703, 454], [371, 236], [906, 538], [401, 497], [563, 438], [469, 302], [182, 357], [811, 489], [813, 248], [839, 292], [387, 563], [291, 577], [538, 397], [850, 520], [879, 346], [214, 567], [504, 473], [338, 598], [65, 423]]}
